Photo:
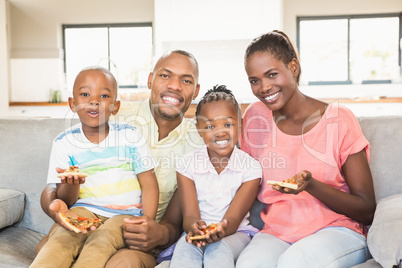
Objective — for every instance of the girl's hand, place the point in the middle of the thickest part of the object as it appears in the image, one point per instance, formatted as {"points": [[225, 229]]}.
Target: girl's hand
{"points": [[196, 229], [302, 179], [218, 233]]}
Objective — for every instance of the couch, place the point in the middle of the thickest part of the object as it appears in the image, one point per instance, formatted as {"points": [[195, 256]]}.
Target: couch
{"points": [[25, 149]]}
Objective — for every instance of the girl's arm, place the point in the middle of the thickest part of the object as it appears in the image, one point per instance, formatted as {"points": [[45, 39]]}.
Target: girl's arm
{"points": [[240, 205], [189, 203], [359, 204], [149, 192]]}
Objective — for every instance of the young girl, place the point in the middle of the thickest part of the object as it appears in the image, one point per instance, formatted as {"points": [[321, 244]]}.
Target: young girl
{"points": [[217, 184], [322, 222]]}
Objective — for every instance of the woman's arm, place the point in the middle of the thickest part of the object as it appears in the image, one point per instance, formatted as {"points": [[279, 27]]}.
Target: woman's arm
{"points": [[149, 192], [360, 204]]}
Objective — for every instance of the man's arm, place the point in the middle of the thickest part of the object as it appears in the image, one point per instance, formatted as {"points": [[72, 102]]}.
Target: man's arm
{"points": [[144, 234]]}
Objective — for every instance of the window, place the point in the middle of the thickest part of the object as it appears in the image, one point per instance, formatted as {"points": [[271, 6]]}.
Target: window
{"points": [[125, 49], [357, 49]]}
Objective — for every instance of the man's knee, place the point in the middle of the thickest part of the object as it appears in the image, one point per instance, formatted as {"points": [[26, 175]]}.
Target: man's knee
{"points": [[126, 258]]}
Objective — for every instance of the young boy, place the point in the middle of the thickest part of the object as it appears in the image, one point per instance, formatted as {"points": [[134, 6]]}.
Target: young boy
{"points": [[120, 179]]}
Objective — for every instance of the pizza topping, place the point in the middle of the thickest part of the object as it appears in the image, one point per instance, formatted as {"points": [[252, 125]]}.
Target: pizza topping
{"points": [[209, 228], [81, 223], [206, 231], [73, 169], [289, 180]]}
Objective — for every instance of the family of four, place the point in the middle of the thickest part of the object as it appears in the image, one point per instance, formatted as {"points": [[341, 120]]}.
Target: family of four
{"points": [[157, 179]]}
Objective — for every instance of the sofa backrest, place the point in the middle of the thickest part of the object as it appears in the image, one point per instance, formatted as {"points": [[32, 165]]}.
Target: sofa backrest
{"points": [[385, 136], [26, 143], [24, 160]]}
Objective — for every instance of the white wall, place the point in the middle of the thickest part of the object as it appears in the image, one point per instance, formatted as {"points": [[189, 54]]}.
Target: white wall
{"points": [[217, 34], [4, 74], [36, 38]]}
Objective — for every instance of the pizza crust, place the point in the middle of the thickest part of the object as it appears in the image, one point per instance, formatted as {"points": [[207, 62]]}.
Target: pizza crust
{"points": [[73, 171], [284, 184]]}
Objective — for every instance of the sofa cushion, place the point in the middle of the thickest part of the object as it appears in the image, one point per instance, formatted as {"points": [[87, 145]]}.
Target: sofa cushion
{"points": [[384, 237], [11, 206], [18, 246]]}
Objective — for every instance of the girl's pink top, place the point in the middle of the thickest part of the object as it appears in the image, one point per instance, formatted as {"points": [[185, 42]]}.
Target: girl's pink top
{"points": [[322, 151]]}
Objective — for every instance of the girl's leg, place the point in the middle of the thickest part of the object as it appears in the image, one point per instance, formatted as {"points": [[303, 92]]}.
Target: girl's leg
{"points": [[329, 247], [225, 252], [264, 250], [186, 255], [102, 243]]}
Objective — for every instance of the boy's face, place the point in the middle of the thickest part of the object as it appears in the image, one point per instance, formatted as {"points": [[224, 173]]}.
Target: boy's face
{"points": [[218, 125], [173, 84], [94, 99]]}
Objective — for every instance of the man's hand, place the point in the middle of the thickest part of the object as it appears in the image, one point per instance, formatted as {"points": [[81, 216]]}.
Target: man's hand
{"points": [[143, 233]]}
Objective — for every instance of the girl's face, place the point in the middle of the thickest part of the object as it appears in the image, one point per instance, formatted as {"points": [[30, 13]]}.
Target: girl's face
{"points": [[272, 82], [218, 125]]}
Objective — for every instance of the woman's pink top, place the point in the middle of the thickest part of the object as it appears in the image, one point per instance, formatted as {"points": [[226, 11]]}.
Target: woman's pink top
{"points": [[322, 151]]}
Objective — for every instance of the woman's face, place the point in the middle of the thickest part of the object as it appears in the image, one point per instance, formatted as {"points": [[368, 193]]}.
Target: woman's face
{"points": [[272, 82]]}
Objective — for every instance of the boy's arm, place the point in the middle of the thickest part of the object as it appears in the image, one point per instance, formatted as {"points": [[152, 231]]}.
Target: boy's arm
{"points": [[69, 193], [149, 192]]}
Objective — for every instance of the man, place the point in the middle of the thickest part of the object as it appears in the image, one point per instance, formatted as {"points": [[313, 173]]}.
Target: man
{"points": [[173, 84]]}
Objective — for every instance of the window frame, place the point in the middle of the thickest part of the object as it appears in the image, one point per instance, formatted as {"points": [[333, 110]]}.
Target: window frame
{"points": [[108, 26], [299, 19]]}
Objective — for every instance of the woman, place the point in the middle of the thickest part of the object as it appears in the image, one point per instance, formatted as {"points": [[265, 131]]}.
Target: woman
{"points": [[318, 145]]}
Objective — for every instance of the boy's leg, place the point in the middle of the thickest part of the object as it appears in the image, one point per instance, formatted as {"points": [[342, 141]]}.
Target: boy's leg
{"points": [[264, 250], [329, 247], [62, 246], [102, 243], [186, 255], [225, 252]]}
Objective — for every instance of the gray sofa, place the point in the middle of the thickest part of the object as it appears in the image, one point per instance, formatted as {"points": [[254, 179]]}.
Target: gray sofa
{"points": [[25, 149]]}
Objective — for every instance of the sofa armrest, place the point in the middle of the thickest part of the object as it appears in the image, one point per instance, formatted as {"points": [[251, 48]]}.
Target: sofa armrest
{"points": [[11, 207], [384, 237]]}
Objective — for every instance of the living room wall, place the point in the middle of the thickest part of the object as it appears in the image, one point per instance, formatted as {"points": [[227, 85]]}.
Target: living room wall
{"points": [[34, 54]]}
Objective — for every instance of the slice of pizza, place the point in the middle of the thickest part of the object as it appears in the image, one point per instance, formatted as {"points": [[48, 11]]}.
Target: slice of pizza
{"points": [[288, 183], [206, 231], [79, 224], [74, 171]]}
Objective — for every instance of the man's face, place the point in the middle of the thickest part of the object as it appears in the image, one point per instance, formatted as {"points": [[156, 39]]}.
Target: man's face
{"points": [[173, 84]]}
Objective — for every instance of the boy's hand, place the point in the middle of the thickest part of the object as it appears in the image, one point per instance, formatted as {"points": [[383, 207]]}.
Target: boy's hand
{"points": [[302, 179], [70, 179], [58, 206]]}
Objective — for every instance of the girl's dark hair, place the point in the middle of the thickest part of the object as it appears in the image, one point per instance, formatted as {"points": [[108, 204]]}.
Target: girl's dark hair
{"points": [[217, 93], [276, 43]]}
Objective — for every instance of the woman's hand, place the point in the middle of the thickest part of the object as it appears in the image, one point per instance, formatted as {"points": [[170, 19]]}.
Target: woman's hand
{"points": [[302, 180]]}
